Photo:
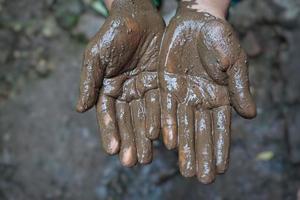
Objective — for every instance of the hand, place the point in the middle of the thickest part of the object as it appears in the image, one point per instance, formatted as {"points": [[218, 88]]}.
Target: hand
{"points": [[203, 73], [119, 75]]}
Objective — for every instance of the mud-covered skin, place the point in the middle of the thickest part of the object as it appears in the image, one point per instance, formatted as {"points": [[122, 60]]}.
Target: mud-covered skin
{"points": [[119, 76], [203, 73]]}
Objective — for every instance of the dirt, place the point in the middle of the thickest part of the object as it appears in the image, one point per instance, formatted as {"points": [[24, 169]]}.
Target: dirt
{"points": [[48, 151]]}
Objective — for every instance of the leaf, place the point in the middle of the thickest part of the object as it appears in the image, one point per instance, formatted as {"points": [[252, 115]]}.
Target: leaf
{"points": [[156, 3], [265, 155], [99, 7]]}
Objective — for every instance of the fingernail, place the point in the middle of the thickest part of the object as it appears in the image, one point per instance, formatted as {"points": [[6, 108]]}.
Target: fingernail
{"points": [[170, 137], [127, 158], [206, 179], [113, 146], [153, 133]]}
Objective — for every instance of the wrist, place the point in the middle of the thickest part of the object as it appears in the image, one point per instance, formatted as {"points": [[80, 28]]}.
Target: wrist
{"points": [[108, 4], [129, 4], [217, 8]]}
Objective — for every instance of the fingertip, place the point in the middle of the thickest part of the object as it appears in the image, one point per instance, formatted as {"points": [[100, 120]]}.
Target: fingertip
{"points": [[112, 147], [170, 137], [221, 169], [186, 172], [128, 157], [207, 179], [152, 133], [145, 160], [80, 108], [152, 109], [248, 110], [252, 111], [83, 106]]}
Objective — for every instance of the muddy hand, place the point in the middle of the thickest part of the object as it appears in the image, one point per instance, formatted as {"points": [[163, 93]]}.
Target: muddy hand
{"points": [[203, 73], [119, 76]]}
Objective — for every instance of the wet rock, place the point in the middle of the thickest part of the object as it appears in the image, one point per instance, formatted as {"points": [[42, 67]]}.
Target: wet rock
{"points": [[293, 127], [1, 5], [44, 68], [290, 67], [7, 39], [290, 12], [248, 13], [14, 11], [251, 45], [139, 182], [67, 12], [50, 27]]}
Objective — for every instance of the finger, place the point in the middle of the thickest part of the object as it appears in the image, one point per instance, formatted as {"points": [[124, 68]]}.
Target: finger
{"points": [[91, 78], [146, 81], [115, 53], [106, 115], [238, 84], [204, 147], [127, 154], [169, 120], [221, 125], [228, 56], [143, 144], [152, 114], [186, 141]]}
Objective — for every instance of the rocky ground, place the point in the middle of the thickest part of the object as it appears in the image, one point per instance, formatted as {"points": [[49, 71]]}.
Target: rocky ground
{"points": [[48, 151]]}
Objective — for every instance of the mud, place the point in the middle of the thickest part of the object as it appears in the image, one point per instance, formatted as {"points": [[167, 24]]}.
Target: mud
{"points": [[48, 151], [213, 79], [119, 74], [203, 73]]}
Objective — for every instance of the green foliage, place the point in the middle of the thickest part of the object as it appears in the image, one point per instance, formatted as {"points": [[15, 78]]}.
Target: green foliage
{"points": [[156, 2], [98, 6], [265, 155], [234, 2], [67, 13]]}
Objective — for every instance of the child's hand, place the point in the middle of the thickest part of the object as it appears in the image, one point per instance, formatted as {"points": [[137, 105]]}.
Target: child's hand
{"points": [[203, 73], [119, 76]]}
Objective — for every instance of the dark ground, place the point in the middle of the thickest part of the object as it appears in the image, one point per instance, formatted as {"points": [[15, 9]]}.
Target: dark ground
{"points": [[48, 151]]}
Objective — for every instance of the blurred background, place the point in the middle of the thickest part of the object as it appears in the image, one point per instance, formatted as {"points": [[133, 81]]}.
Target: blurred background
{"points": [[48, 151]]}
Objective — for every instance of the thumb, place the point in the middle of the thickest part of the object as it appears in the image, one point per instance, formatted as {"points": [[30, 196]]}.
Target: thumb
{"points": [[91, 78], [238, 84]]}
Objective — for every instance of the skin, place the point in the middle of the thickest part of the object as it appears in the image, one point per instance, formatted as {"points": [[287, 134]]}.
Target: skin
{"points": [[203, 74], [119, 77], [217, 8], [108, 3]]}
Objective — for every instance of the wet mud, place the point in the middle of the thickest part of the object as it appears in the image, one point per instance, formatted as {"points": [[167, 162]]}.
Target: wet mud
{"points": [[119, 76], [203, 73]]}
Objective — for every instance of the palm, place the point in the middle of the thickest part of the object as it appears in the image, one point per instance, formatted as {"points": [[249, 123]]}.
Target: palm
{"points": [[120, 76], [203, 73]]}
